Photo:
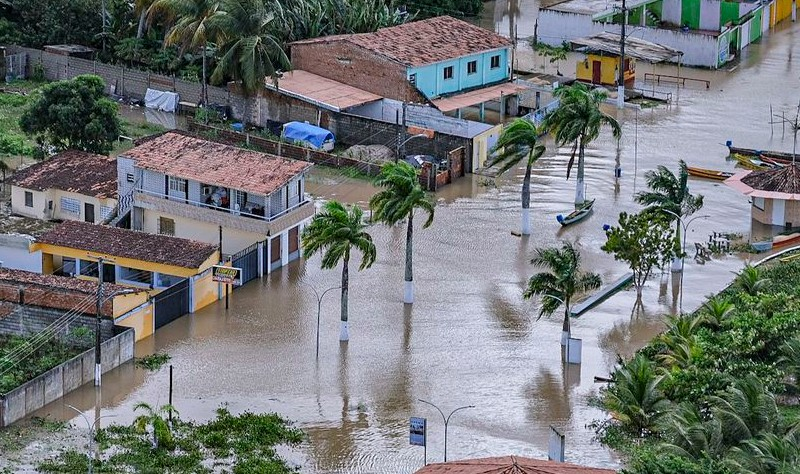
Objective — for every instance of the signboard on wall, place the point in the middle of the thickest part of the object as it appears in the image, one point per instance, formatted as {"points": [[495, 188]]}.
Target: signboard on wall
{"points": [[226, 275], [417, 431]]}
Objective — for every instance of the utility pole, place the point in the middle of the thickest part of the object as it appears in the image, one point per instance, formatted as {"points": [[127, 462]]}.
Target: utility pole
{"points": [[98, 371], [621, 84]]}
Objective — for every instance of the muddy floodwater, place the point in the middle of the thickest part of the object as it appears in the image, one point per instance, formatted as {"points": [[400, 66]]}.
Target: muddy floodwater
{"points": [[470, 338]]}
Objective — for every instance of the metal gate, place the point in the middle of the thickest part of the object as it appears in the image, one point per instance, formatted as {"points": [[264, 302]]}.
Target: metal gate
{"points": [[172, 303], [247, 260]]}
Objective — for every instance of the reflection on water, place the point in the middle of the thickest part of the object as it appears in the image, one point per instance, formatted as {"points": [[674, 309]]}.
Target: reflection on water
{"points": [[470, 338]]}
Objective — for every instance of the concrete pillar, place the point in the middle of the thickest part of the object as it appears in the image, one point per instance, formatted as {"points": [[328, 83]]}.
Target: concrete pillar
{"points": [[513, 105], [191, 294], [260, 259], [284, 248], [268, 255], [794, 11], [483, 111]]}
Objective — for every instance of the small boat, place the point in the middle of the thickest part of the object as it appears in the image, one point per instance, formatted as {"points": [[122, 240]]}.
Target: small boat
{"points": [[751, 163], [578, 214], [709, 174], [776, 155]]}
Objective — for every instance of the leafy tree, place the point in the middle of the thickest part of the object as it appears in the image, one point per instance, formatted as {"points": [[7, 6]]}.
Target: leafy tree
{"points": [[156, 420], [73, 114], [44, 22], [519, 141], [643, 241], [402, 194], [578, 120], [670, 192], [446, 7], [336, 230], [250, 52], [561, 282], [193, 28], [634, 399]]}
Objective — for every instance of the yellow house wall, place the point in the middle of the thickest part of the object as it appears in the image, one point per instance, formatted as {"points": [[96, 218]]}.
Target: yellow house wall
{"points": [[125, 303], [127, 262], [764, 216], [141, 322], [608, 69], [780, 10], [233, 240], [480, 146], [47, 264], [205, 291]]}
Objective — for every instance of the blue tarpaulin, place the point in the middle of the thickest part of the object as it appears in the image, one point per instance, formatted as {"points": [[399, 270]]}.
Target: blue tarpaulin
{"points": [[307, 133]]}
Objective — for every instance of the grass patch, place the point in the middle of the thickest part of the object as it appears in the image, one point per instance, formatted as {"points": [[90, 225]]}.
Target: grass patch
{"points": [[14, 98], [18, 369], [152, 361]]}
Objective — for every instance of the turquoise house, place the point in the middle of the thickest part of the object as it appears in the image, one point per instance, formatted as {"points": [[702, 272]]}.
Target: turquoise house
{"points": [[464, 73]]}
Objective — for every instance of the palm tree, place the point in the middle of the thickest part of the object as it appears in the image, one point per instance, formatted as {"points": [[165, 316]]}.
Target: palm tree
{"points": [[402, 194], [250, 53], [157, 421], [336, 230], [194, 27], [751, 281], [518, 141], [769, 453], [578, 120], [634, 398], [669, 192], [141, 7], [561, 282], [717, 310]]}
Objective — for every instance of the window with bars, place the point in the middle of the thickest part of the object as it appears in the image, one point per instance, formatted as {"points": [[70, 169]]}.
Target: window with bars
{"points": [[177, 185], [105, 211], [166, 226], [72, 206]]}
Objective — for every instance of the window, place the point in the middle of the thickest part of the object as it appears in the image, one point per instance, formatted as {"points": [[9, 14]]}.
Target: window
{"points": [[472, 67], [165, 281], [129, 177], [105, 211], [177, 185], [758, 203], [495, 61], [67, 266], [28, 199], [412, 78], [448, 72], [89, 268], [72, 206], [166, 226], [134, 275]]}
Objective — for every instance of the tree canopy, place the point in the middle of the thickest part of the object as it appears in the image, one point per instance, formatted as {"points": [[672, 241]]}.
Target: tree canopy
{"points": [[73, 114]]}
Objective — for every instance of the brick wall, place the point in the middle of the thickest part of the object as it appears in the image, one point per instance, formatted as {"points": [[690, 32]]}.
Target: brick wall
{"points": [[55, 298], [362, 68]]}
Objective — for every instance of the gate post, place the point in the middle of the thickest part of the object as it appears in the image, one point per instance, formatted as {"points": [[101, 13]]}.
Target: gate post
{"points": [[260, 259]]}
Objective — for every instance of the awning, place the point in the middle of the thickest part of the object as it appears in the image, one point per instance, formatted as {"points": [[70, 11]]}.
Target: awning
{"points": [[320, 91], [478, 96], [736, 183], [634, 47]]}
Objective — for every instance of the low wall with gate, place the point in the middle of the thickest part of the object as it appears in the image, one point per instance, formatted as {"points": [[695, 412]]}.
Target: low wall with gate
{"points": [[64, 378]]}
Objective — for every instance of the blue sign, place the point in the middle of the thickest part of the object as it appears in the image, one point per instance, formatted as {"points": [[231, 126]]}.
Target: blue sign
{"points": [[417, 431]]}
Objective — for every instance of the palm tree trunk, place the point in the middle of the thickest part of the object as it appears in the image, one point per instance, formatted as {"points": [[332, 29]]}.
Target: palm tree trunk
{"points": [[580, 193], [142, 18], [344, 334], [204, 92], [526, 201], [408, 286], [565, 329]]}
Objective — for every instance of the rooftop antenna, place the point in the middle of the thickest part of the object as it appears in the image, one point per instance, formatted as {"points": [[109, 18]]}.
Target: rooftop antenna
{"points": [[794, 126]]}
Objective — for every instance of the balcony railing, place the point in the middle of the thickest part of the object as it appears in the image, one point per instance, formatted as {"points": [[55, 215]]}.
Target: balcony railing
{"points": [[235, 212]]}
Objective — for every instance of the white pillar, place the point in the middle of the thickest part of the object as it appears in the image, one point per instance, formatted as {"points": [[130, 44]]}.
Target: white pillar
{"points": [[268, 254], [621, 96], [794, 11], [284, 248], [260, 259], [191, 294]]}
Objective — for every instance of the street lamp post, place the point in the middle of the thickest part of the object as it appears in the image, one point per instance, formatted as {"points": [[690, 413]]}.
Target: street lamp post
{"points": [[319, 305], [92, 427], [446, 420], [685, 228], [98, 369], [400, 144]]}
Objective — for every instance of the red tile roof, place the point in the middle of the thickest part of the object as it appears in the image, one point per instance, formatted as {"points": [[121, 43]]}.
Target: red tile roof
{"points": [[424, 42], [183, 156], [116, 242], [76, 285], [74, 171], [509, 465]]}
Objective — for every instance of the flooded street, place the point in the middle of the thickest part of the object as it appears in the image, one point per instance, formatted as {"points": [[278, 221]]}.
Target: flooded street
{"points": [[470, 338]]}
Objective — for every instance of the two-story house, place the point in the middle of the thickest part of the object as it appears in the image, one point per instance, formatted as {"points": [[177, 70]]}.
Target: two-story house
{"points": [[176, 184], [71, 185], [417, 62]]}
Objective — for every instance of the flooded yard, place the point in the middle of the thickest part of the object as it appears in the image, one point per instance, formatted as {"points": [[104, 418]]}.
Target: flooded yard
{"points": [[470, 338]]}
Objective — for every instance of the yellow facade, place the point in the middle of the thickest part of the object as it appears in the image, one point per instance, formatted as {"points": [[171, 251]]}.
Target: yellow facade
{"points": [[587, 70], [481, 146], [140, 320], [206, 291], [781, 10]]}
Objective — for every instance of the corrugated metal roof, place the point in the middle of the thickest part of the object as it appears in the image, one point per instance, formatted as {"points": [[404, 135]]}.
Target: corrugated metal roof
{"points": [[634, 47], [326, 93]]}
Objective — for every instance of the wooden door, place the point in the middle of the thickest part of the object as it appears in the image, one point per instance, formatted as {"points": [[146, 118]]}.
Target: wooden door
{"points": [[596, 72]]}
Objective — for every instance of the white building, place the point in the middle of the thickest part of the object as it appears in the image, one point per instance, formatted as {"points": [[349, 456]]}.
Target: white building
{"points": [[179, 185]]}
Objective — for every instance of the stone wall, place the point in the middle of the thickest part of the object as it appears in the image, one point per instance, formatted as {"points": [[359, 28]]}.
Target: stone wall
{"points": [[60, 380]]}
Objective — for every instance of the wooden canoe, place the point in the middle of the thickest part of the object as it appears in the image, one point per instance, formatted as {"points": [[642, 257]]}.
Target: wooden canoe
{"points": [[752, 163], [781, 156], [708, 174], [576, 215]]}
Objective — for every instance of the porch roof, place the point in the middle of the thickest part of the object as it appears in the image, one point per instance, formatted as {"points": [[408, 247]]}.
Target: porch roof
{"points": [[320, 91], [634, 47], [477, 96]]}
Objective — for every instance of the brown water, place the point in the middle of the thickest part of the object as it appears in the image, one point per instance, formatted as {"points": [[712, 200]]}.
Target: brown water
{"points": [[469, 338]]}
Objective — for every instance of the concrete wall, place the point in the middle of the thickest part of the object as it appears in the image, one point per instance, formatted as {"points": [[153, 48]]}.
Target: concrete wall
{"points": [[39, 210], [29, 319], [362, 68], [233, 240], [64, 378], [14, 253]]}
